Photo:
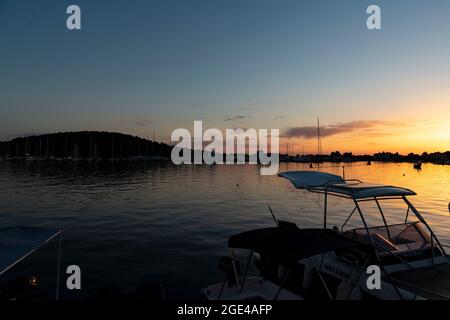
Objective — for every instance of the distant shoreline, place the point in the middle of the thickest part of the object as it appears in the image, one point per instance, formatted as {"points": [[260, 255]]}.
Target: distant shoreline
{"points": [[95, 146], [156, 159], [83, 146], [442, 158]]}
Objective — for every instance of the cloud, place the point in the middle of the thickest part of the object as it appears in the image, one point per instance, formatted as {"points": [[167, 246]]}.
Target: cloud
{"points": [[339, 128], [280, 117], [142, 122], [197, 106], [250, 105], [236, 117]]}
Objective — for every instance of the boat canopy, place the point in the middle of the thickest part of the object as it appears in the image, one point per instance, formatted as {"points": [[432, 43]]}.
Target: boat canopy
{"points": [[336, 185], [311, 179], [290, 245], [17, 243]]}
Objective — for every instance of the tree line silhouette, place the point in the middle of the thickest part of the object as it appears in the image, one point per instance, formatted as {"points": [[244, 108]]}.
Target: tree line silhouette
{"points": [[85, 145]]}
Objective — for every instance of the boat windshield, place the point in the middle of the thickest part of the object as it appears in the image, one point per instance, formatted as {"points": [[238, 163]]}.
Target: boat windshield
{"points": [[400, 239]]}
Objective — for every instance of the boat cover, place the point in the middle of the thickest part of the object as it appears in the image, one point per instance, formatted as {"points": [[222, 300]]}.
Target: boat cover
{"points": [[290, 245], [334, 184], [311, 179], [17, 243]]}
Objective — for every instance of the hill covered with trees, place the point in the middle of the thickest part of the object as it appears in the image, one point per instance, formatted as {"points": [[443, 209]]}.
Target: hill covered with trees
{"points": [[85, 145]]}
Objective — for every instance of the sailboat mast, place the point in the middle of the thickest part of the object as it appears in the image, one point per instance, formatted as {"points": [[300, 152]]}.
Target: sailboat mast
{"points": [[318, 136], [112, 146]]}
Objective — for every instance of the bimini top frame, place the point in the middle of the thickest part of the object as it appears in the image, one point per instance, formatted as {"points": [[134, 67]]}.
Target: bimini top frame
{"points": [[356, 190]]}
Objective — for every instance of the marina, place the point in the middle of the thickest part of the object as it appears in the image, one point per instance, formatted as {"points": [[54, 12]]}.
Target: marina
{"points": [[136, 225], [224, 159]]}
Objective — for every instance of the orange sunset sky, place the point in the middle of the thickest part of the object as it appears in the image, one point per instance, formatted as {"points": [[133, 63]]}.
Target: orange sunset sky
{"points": [[158, 66]]}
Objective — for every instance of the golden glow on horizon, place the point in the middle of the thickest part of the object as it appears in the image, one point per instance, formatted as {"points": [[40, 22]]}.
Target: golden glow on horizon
{"points": [[414, 137], [407, 128]]}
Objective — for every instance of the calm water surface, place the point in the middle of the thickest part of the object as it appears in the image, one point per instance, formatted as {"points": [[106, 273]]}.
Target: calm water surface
{"points": [[166, 224]]}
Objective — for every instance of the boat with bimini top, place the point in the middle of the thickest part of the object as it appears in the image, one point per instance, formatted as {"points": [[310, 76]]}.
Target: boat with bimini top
{"points": [[290, 262]]}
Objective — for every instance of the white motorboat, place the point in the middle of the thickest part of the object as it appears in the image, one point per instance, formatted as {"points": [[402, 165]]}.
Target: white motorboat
{"points": [[333, 263]]}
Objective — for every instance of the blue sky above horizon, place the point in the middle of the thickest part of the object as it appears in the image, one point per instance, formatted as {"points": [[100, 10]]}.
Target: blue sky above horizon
{"points": [[143, 66]]}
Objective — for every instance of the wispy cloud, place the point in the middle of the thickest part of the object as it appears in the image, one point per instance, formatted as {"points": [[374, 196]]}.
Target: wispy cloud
{"points": [[142, 122], [339, 128], [197, 106], [236, 117], [280, 117], [250, 105]]}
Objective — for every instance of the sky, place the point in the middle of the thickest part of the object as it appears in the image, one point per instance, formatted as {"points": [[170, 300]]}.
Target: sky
{"points": [[148, 67]]}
